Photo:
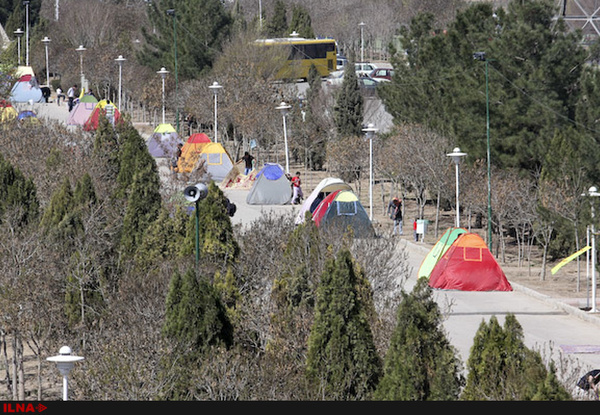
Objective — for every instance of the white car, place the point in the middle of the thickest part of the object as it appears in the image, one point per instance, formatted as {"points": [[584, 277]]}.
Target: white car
{"points": [[364, 69], [335, 78]]}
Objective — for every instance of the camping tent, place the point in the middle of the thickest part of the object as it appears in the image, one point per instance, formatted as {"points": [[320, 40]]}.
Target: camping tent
{"points": [[325, 187], [468, 265], [438, 250], [271, 187], [163, 141], [190, 152], [210, 157], [341, 209], [82, 111], [27, 117], [7, 111], [107, 108], [216, 161], [26, 89]]}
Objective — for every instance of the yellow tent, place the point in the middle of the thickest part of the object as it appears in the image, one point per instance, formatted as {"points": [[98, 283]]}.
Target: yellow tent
{"points": [[212, 155]]}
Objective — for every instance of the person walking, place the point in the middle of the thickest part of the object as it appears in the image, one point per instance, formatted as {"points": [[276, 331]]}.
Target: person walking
{"points": [[71, 93], [395, 212], [248, 163], [59, 95], [297, 188]]}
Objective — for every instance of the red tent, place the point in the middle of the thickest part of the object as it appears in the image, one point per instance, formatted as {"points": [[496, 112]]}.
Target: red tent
{"points": [[198, 138], [468, 265]]}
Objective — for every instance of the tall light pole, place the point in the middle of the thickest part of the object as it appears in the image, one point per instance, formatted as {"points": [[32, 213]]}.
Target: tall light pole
{"points": [[19, 33], [370, 134], [215, 87], [482, 57], [26, 4], [65, 361], [284, 109], [456, 155], [80, 50], [120, 61], [362, 54], [171, 12], [46, 41], [163, 73], [593, 192]]}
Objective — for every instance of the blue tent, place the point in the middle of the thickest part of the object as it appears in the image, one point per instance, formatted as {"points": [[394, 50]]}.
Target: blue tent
{"points": [[271, 187], [26, 89]]}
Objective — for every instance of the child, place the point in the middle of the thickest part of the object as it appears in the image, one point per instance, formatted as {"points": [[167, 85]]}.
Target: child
{"points": [[415, 229]]}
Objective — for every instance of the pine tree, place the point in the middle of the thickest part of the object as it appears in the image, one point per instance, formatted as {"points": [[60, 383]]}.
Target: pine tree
{"points": [[277, 26], [197, 29], [17, 195], [301, 22], [143, 207], [195, 316], [420, 363], [342, 361], [348, 110], [61, 219], [501, 367], [215, 232]]}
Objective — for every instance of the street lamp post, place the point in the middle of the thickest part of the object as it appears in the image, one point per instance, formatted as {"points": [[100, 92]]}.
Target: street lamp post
{"points": [[362, 55], [26, 4], [370, 134], [593, 192], [482, 57], [80, 50], [284, 109], [171, 12], [65, 362], [46, 41], [19, 33], [456, 156], [163, 73], [120, 61], [215, 87]]}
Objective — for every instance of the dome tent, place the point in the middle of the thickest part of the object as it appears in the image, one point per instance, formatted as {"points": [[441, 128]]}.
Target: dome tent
{"points": [[271, 187]]}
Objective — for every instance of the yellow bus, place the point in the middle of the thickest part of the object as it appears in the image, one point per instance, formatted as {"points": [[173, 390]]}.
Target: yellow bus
{"points": [[301, 53]]}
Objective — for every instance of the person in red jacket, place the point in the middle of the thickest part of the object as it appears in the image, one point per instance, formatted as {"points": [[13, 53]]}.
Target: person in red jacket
{"points": [[297, 188]]}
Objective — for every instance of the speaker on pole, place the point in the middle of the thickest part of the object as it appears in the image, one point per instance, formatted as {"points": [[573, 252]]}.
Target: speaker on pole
{"points": [[195, 192]]}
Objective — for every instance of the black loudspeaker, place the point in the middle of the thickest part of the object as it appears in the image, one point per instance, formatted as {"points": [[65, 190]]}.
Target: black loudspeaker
{"points": [[195, 192]]}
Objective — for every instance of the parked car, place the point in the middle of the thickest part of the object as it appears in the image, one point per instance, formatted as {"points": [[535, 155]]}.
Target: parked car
{"points": [[364, 69], [335, 78], [368, 86], [341, 62], [382, 73]]}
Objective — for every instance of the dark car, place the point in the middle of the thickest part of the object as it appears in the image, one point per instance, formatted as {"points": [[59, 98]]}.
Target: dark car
{"points": [[382, 73], [368, 86]]}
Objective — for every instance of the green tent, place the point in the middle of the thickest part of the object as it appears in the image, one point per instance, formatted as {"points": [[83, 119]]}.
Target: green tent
{"points": [[438, 250]]}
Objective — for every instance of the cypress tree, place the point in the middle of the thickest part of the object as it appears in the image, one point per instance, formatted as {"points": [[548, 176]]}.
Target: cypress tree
{"points": [[420, 363], [200, 27], [17, 192], [342, 361], [501, 367], [348, 109], [277, 26], [301, 22], [195, 316]]}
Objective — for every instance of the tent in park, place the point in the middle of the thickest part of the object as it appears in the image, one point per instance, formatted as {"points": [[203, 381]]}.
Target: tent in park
{"points": [[210, 158], [7, 111], [468, 265], [82, 111], [26, 89], [105, 107], [324, 188], [163, 141], [341, 209], [438, 250], [271, 187], [190, 152]]}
